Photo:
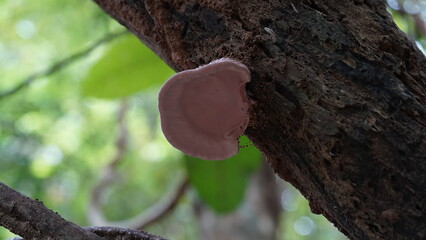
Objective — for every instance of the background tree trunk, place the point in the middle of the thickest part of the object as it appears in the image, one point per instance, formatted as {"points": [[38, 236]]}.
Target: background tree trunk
{"points": [[257, 218], [339, 91]]}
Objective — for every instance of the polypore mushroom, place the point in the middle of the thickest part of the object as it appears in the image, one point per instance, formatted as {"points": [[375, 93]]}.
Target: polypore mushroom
{"points": [[203, 111]]}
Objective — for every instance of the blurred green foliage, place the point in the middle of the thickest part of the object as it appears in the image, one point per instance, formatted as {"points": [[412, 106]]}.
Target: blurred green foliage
{"points": [[299, 223], [126, 68], [55, 137], [222, 184], [406, 13]]}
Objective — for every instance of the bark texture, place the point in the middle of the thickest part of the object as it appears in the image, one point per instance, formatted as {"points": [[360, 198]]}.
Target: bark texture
{"points": [[31, 220], [340, 97]]}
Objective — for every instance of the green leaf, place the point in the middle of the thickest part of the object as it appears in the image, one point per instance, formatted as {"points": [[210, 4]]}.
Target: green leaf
{"points": [[222, 184], [126, 68]]}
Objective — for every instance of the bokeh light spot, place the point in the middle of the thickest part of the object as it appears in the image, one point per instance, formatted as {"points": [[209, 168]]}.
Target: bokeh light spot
{"points": [[288, 200], [304, 226], [25, 29]]}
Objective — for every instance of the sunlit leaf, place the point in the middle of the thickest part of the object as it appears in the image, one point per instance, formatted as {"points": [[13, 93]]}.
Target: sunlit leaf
{"points": [[126, 68], [222, 184]]}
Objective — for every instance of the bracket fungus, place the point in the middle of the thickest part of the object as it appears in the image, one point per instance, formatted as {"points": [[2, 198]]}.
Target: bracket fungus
{"points": [[204, 111]]}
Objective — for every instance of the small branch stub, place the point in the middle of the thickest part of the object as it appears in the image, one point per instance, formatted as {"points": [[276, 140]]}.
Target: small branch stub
{"points": [[203, 111]]}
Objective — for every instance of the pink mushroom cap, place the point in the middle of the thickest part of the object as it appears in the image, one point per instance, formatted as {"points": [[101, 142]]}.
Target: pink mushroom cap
{"points": [[203, 111]]}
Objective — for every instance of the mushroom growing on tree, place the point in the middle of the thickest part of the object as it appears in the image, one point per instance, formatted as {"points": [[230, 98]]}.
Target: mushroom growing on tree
{"points": [[203, 111]]}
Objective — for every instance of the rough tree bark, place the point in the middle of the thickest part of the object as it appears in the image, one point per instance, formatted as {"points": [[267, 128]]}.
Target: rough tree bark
{"points": [[32, 220], [340, 97]]}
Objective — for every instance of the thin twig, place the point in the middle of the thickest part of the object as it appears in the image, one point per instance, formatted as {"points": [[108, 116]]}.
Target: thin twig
{"points": [[149, 216], [161, 209], [123, 133], [146, 217], [60, 64], [94, 215]]}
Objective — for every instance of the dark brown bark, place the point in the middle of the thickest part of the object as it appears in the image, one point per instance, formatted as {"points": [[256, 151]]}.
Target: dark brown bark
{"points": [[31, 220], [114, 233], [340, 97]]}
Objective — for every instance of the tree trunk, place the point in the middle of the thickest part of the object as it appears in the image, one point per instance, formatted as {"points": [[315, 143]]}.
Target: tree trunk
{"points": [[339, 92]]}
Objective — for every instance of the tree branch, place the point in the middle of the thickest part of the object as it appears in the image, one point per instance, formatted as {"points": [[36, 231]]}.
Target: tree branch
{"points": [[94, 214], [32, 220], [114, 233], [60, 64]]}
